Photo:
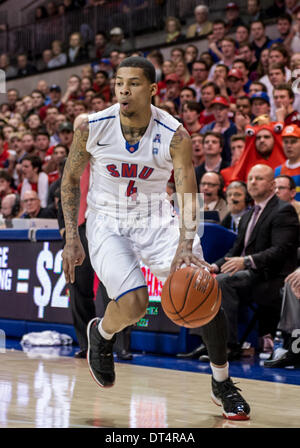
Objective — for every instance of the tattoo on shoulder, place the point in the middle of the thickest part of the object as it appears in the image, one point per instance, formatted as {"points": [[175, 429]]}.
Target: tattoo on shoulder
{"points": [[180, 135]]}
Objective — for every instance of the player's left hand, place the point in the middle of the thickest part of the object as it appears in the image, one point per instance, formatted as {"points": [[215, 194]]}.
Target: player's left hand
{"points": [[184, 255], [233, 265]]}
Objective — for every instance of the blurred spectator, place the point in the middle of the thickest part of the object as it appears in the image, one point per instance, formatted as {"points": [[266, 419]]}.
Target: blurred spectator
{"points": [[51, 9], [5, 184], [241, 65], [211, 185], [243, 106], [284, 28], [76, 52], [254, 11], [5, 65], [222, 125], [182, 71], [101, 84], [202, 26], [260, 104], [55, 101], [257, 87], [12, 98], [228, 52], [40, 13], [42, 144], [168, 67], [50, 120], [58, 57], [247, 53], [283, 101], [44, 88], [291, 7], [291, 148], [116, 42], [28, 106], [215, 39], [209, 91], [238, 200], [34, 123], [4, 153], [190, 55], [157, 59], [34, 179], [79, 108], [286, 189], [59, 154], [235, 82], [28, 143], [187, 94], [98, 103], [237, 147], [69, 110], [97, 50], [65, 133], [259, 39], [190, 114], [38, 100], [86, 83], [54, 138], [277, 9], [207, 57], [212, 149], [33, 209], [43, 63], [173, 30], [73, 91], [10, 206], [233, 18], [24, 67], [242, 35], [200, 75], [295, 42], [197, 145], [173, 89], [177, 54]]}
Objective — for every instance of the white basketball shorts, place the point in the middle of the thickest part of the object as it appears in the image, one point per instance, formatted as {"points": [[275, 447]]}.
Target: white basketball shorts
{"points": [[116, 252]]}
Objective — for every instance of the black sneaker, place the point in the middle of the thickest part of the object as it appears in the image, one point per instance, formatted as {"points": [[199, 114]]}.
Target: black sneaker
{"points": [[226, 394], [100, 355]]}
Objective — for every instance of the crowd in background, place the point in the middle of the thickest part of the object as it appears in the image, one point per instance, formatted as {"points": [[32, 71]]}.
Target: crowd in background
{"points": [[235, 99]]}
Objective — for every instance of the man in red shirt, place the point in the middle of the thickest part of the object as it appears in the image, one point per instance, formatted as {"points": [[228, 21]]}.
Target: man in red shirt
{"points": [[55, 97], [284, 98], [209, 90], [190, 115], [235, 82]]}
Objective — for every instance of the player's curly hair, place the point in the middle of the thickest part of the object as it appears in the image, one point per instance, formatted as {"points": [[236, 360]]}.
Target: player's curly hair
{"points": [[143, 63]]}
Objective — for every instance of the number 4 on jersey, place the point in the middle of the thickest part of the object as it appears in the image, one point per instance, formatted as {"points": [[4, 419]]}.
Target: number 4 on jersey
{"points": [[131, 189]]}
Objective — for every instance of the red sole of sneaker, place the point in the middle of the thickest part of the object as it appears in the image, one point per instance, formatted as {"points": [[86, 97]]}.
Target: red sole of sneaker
{"points": [[232, 417], [97, 382]]}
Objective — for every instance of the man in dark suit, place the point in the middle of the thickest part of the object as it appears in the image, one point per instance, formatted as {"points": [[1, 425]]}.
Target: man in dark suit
{"points": [[264, 253]]}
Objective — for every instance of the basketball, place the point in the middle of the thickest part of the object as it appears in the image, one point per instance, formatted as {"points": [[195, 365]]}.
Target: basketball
{"points": [[191, 297]]}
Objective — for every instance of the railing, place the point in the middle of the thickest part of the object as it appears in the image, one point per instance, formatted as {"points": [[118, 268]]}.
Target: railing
{"points": [[32, 39]]}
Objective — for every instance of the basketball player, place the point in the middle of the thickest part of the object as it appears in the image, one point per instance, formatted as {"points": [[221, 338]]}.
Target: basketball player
{"points": [[132, 147]]}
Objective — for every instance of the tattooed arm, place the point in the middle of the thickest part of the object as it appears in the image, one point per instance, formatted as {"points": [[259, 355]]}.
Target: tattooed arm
{"points": [[73, 253], [186, 189]]}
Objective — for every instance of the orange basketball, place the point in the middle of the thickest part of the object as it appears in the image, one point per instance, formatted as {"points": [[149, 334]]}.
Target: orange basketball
{"points": [[191, 297]]}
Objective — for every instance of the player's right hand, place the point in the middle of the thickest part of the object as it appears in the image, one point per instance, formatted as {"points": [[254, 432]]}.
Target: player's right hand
{"points": [[73, 255]]}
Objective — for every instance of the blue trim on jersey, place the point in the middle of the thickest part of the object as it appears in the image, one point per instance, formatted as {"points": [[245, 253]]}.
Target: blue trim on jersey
{"points": [[131, 148], [129, 290], [164, 125], [103, 118]]}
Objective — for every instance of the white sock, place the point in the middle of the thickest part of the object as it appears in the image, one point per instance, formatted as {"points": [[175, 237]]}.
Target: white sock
{"points": [[103, 333], [220, 373]]}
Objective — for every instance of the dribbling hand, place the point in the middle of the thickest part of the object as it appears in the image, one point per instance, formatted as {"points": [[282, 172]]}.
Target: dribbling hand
{"points": [[185, 256], [73, 255]]}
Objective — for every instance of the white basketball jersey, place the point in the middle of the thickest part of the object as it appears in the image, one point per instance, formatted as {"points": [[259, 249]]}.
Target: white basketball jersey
{"points": [[124, 175]]}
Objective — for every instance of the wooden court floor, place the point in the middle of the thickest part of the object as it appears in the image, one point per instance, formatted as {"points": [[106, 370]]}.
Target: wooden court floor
{"points": [[60, 393]]}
